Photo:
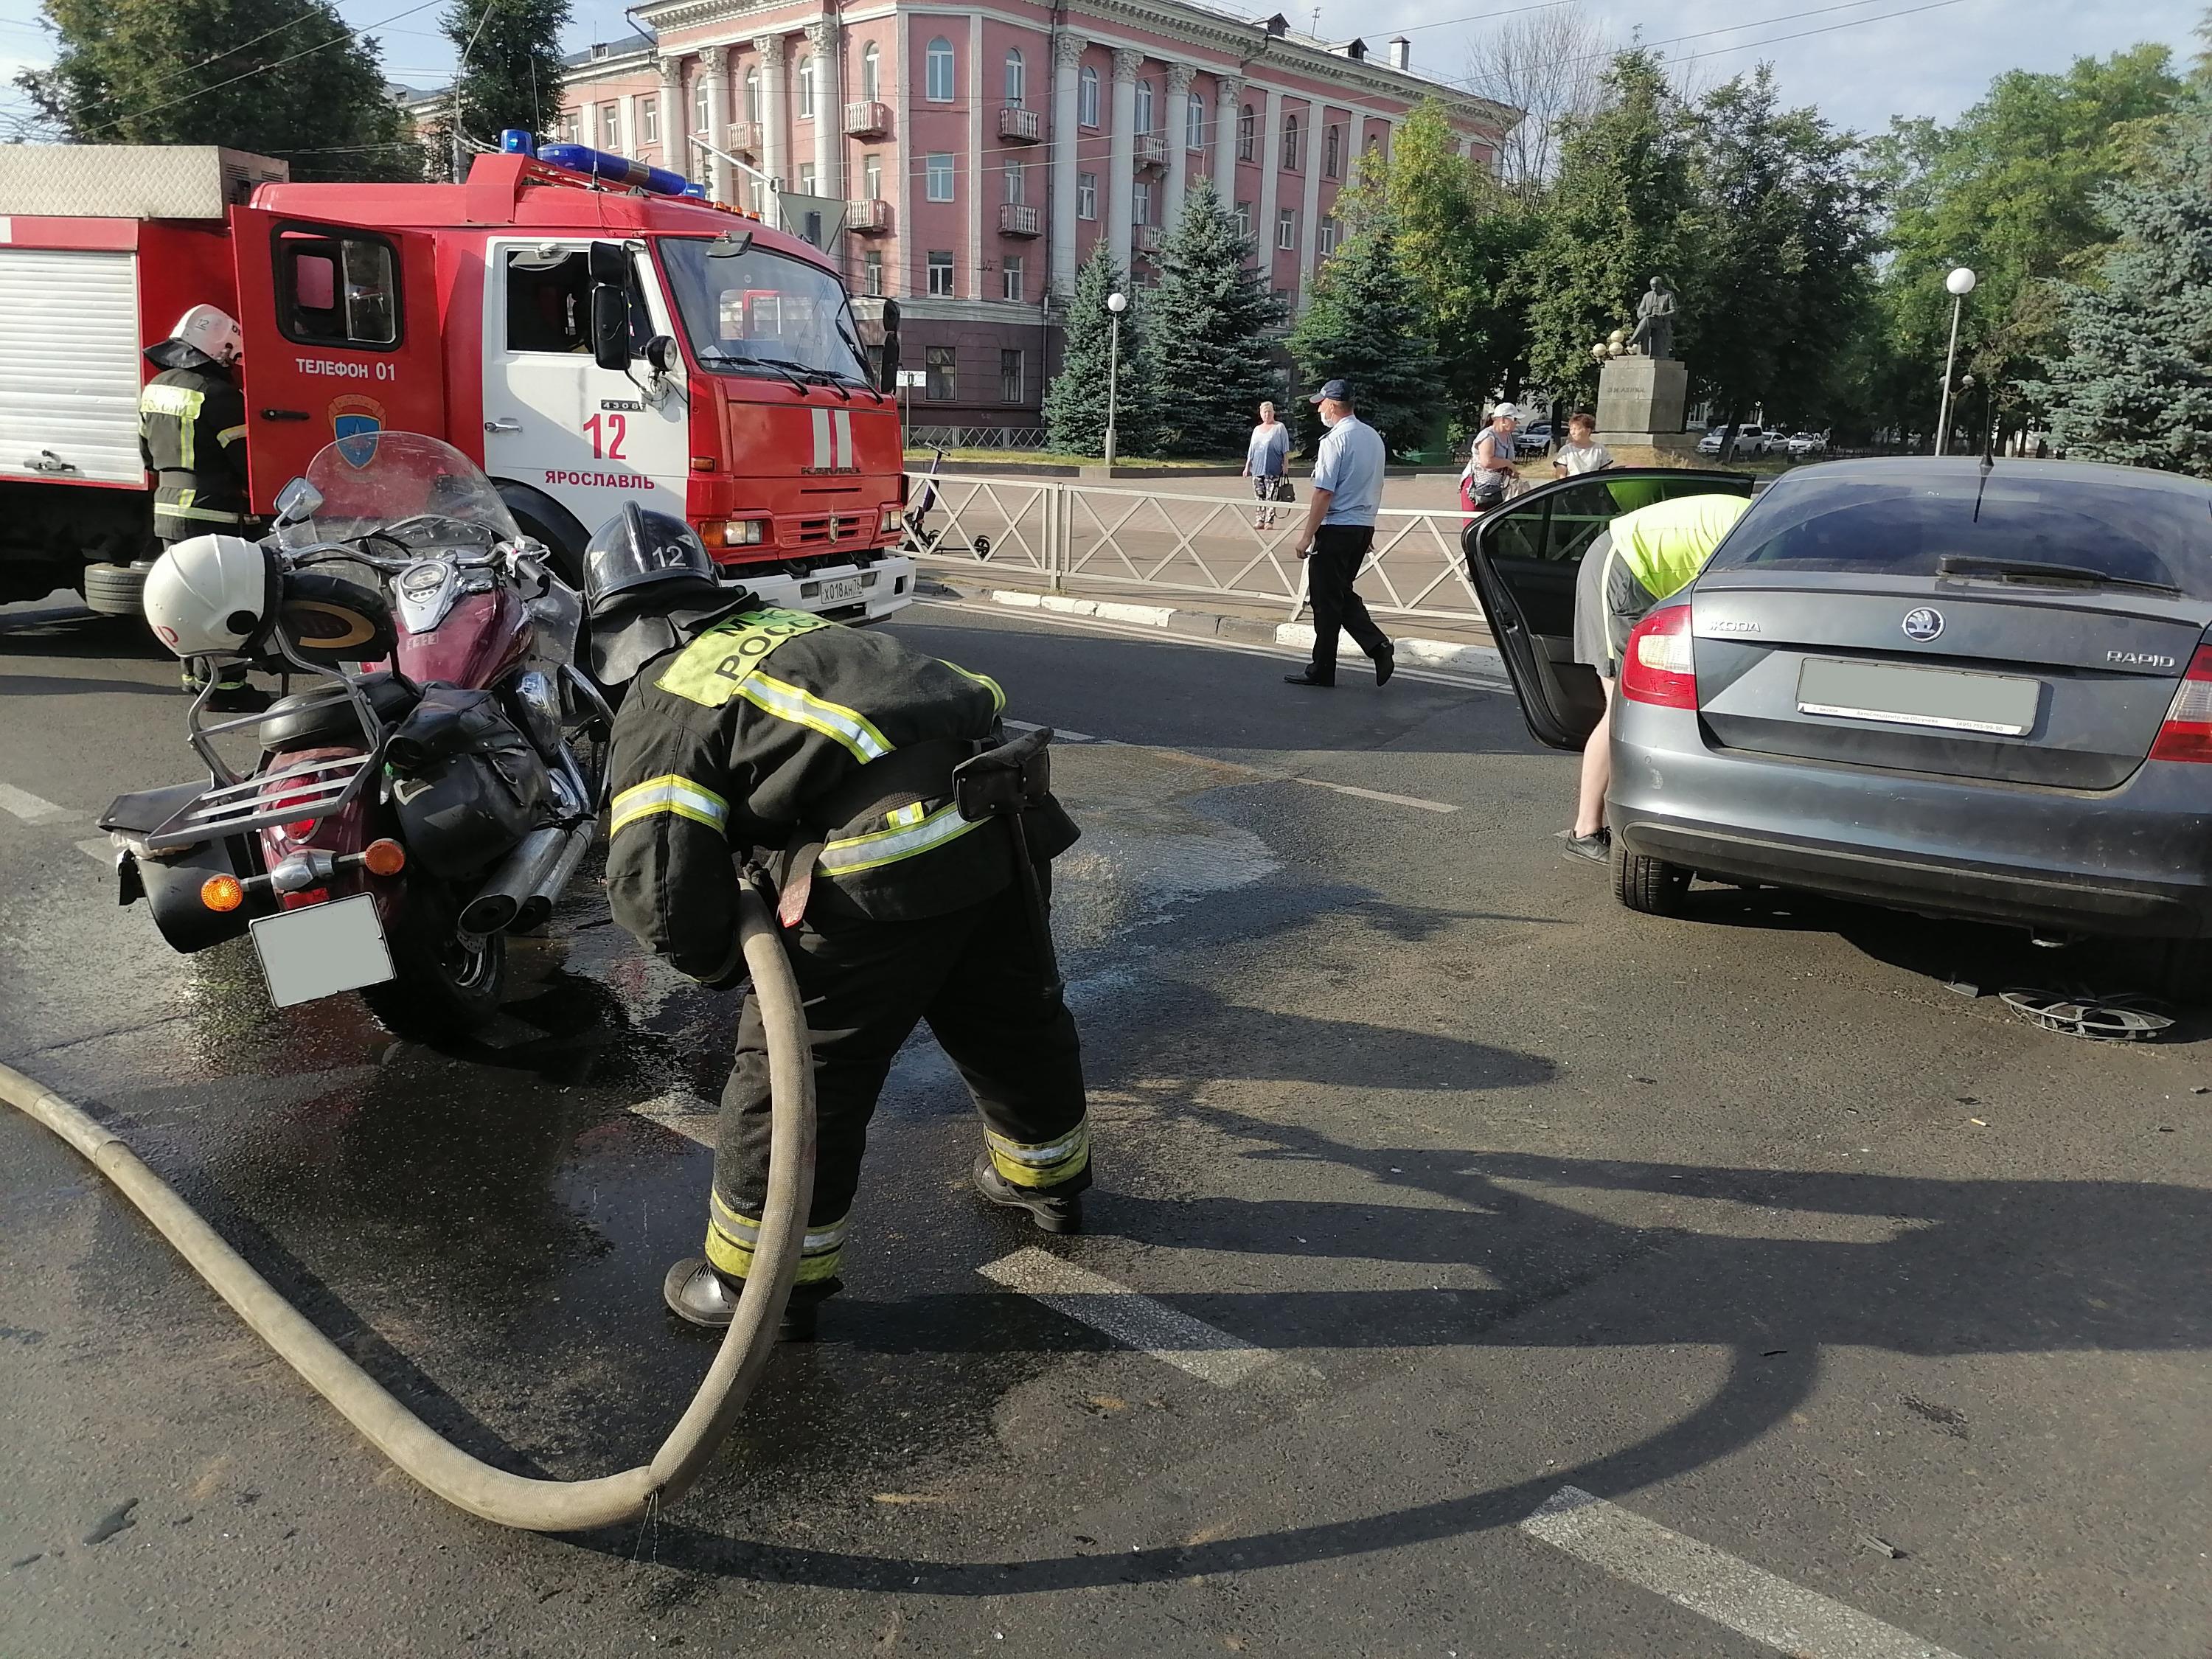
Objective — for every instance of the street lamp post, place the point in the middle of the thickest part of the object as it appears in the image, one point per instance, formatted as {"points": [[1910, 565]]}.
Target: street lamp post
{"points": [[1116, 304], [1960, 283]]}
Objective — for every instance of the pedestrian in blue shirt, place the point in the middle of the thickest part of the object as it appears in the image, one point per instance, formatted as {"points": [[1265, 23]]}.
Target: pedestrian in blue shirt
{"points": [[1339, 529], [1265, 456]]}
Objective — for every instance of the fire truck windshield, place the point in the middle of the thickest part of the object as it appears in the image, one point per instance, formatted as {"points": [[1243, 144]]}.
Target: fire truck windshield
{"points": [[759, 312]]}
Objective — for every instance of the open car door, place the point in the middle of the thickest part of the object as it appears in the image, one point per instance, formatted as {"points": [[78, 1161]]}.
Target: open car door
{"points": [[1524, 558]]}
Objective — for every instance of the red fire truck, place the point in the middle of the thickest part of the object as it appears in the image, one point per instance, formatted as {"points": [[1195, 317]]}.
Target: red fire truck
{"points": [[588, 344]]}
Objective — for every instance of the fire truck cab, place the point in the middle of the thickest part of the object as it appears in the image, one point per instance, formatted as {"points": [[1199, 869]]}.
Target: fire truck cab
{"points": [[589, 346]]}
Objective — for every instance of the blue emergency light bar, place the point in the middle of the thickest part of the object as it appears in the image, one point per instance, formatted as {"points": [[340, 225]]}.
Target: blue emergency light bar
{"points": [[518, 140], [617, 170]]}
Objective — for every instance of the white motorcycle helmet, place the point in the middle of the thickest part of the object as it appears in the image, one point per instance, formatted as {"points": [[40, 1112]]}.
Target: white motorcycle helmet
{"points": [[212, 330], [211, 596]]}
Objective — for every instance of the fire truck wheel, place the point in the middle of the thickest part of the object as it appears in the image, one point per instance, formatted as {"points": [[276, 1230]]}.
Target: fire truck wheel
{"points": [[115, 590]]}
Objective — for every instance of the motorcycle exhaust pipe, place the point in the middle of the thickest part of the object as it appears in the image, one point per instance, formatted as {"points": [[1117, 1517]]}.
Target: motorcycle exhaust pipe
{"points": [[537, 907], [494, 908]]}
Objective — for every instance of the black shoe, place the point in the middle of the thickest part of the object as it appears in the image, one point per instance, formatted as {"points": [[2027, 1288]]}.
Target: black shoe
{"points": [[238, 700], [1595, 849], [1386, 664], [697, 1294], [1306, 677], [1053, 1215]]}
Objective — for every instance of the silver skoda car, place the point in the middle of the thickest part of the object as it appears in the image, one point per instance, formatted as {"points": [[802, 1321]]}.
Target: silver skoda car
{"points": [[1967, 689]]}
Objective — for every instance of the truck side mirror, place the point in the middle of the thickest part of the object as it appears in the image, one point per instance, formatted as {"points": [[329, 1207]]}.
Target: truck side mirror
{"points": [[609, 263], [610, 326]]}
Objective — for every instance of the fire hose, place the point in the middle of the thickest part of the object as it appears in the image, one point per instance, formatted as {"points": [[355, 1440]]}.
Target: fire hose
{"points": [[467, 1482]]}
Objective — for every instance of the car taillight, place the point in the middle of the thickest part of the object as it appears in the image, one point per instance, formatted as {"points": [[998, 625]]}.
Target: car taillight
{"points": [[1656, 667], [2187, 734]]}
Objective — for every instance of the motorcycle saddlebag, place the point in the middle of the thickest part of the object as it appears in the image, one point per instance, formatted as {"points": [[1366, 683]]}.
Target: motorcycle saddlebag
{"points": [[466, 784]]}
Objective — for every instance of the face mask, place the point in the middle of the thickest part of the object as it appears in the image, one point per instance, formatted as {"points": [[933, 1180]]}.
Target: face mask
{"points": [[1327, 418]]}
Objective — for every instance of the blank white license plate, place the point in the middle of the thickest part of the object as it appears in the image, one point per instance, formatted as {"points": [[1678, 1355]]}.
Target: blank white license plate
{"points": [[322, 949], [844, 588], [1952, 699]]}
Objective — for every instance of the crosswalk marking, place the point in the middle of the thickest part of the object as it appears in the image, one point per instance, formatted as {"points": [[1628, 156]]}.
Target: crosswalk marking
{"points": [[32, 809], [1137, 1321]]}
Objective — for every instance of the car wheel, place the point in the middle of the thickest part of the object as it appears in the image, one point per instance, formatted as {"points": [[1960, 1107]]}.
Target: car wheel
{"points": [[2179, 970], [1651, 885]]}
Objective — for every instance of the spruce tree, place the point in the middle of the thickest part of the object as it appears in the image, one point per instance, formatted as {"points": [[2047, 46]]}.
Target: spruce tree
{"points": [[1206, 326], [1364, 326], [285, 78], [509, 71], [1075, 402], [2136, 384]]}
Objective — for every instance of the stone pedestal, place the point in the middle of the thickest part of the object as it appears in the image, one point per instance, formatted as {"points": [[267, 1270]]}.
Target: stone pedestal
{"points": [[1640, 402]]}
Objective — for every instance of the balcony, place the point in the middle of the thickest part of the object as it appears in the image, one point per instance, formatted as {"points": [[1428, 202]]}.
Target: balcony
{"points": [[868, 118], [744, 139], [1148, 237], [1021, 126], [1015, 220], [872, 217], [1151, 149]]}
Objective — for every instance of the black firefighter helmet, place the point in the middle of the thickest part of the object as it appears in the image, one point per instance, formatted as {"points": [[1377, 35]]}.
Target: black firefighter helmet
{"points": [[649, 585]]}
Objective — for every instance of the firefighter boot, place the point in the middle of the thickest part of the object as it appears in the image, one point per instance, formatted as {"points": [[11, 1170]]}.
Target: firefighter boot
{"points": [[696, 1293], [1053, 1215]]}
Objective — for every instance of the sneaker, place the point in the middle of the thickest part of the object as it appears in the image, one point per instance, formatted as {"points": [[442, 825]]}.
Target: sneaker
{"points": [[1306, 677], [1052, 1215], [1591, 849]]}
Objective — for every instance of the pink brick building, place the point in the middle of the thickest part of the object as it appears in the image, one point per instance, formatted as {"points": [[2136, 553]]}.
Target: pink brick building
{"points": [[983, 150]]}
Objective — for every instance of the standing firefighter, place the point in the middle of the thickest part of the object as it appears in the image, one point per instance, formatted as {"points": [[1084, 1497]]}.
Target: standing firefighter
{"points": [[752, 737], [191, 436]]}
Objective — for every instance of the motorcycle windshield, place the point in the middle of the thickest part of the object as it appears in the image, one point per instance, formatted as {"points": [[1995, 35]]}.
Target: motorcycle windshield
{"points": [[414, 489]]}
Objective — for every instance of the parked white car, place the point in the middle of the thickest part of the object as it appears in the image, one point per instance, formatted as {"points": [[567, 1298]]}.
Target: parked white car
{"points": [[1809, 443]]}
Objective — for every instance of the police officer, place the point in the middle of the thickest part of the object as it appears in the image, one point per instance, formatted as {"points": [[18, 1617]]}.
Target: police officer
{"points": [[758, 737], [191, 436]]}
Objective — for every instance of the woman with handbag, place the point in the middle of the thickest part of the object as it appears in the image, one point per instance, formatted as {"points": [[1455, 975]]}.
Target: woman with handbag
{"points": [[1266, 455], [1490, 472]]}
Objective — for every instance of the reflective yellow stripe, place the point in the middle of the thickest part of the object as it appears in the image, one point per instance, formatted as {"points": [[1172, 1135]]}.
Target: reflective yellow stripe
{"points": [[181, 401], [732, 1239], [1046, 1164], [882, 847], [182, 508], [229, 435], [900, 816], [998, 695], [845, 726], [673, 794]]}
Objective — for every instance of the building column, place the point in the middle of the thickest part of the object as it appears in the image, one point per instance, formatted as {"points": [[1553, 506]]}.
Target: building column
{"points": [[1121, 155], [675, 115], [976, 168], [827, 38], [714, 65], [1228, 96], [625, 123], [1271, 175], [1178, 128], [1067, 128], [1310, 213], [775, 125]]}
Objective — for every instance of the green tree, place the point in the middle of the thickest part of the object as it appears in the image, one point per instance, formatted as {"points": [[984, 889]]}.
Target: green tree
{"points": [[1207, 324], [285, 78], [1614, 221], [510, 69], [1075, 402], [1364, 325], [2135, 383]]}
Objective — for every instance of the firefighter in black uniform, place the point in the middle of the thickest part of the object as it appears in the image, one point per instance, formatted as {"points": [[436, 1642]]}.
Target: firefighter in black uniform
{"points": [[822, 757], [191, 436]]}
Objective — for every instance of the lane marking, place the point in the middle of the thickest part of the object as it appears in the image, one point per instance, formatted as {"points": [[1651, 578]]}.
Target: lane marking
{"points": [[31, 808], [1258, 775], [1135, 1321], [100, 850], [1370, 794], [1734, 1594]]}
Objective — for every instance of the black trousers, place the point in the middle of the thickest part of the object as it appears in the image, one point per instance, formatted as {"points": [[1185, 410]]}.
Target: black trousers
{"points": [[1331, 569], [975, 977]]}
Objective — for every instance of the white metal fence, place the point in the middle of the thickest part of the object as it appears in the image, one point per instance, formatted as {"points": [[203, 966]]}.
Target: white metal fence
{"points": [[976, 437], [1061, 534]]}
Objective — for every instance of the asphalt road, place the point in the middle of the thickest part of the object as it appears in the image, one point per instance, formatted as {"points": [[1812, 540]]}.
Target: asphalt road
{"points": [[1433, 1187]]}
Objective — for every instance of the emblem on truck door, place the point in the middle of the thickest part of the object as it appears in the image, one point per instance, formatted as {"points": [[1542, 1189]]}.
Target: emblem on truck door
{"points": [[1923, 624]]}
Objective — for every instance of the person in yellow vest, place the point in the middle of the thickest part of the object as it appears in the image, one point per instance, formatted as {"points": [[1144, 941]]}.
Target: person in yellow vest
{"points": [[1641, 558]]}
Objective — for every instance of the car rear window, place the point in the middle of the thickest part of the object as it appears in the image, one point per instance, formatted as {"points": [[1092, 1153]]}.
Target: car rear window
{"points": [[1899, 526]]}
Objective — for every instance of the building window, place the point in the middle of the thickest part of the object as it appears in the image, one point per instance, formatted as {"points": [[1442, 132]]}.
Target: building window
{"points": [[872, 72], [1014, 190], [1086, 195], [1327, 237], [610, 127], [1373, 144], [871, 178], [940, 274], [1010, 279], [1331, 151], [806, 178], [940, 70], [1244, 220], [1144, 105], [938, 171], [701, 110], [1140, 202], [753, 95], [1086, 97], [1287, 229], [871, 270], [806, 89], [648, 120], [1290, 143], [1248, 134], [1193, 122], [1016, 81], [942, 369], [1010, 375]]}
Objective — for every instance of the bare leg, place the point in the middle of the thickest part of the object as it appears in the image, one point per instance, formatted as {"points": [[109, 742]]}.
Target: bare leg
{"points": [[1597, 770]]}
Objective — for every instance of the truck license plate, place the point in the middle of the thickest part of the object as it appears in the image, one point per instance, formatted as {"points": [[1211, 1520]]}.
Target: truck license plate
{"points": [[843, 589], [322, 949]]}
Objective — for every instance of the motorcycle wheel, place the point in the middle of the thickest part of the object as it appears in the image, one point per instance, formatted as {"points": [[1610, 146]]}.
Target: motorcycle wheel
{"points": [[442, 988]]}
